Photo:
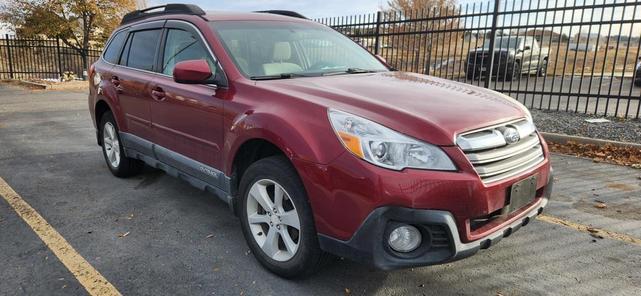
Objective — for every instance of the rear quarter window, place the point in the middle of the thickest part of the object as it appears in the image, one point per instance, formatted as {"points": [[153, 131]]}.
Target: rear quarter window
{"points": [[112, 52]]}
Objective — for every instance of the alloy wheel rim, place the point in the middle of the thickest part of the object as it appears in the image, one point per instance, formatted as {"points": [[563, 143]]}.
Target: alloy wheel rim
{"points": [[111, 145], [273, 220]]}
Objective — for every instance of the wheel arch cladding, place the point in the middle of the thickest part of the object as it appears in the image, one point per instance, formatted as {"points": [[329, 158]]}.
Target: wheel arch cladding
{"points": [[101, 108], [250, 152]]}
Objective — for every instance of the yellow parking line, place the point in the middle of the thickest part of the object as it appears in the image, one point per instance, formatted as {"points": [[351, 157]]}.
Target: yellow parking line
{"points": [[89, 277], [597, 232]]}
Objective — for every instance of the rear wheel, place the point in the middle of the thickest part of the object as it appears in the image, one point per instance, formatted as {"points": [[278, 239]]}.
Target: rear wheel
{"points": [[120, 165], [277, 220], [543, 70]]}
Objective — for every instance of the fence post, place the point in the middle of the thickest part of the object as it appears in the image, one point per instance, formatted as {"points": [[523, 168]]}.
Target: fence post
{"points": [[9, 59], [377, 43], [59, 56], [495, 16]]}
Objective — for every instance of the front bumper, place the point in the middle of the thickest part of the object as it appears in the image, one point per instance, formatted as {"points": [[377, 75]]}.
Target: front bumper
{"points": [[440, 233]]}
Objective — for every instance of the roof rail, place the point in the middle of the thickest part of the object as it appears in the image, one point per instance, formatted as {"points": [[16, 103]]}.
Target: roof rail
{"points": [[162, 10], [284, 12]]}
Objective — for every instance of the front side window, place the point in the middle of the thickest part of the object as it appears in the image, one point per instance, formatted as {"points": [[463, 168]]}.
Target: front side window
{"points": [[182, 46], [142, 50], [270, 48], [112, 53]]}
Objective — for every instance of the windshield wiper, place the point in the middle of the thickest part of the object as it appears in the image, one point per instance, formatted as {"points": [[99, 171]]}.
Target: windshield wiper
{"points": [[359, 70], [280, 76], [350, 71]]}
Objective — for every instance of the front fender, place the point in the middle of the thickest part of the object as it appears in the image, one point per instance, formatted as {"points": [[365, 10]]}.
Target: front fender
{"points": [[308, 138]]}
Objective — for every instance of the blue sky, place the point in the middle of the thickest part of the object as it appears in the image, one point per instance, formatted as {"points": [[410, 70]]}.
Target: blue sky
{"points": [[311, 9]]}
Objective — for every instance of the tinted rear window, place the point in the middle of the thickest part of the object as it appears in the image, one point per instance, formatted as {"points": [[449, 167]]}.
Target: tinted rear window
{"points": [[112, 53], [142, 50]]}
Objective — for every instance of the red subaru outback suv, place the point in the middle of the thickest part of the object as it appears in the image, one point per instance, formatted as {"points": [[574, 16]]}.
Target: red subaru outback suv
{"points": [[317, 145]]}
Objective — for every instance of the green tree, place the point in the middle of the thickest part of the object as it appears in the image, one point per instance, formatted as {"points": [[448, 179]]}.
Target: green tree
{"points": [[80, 24]]}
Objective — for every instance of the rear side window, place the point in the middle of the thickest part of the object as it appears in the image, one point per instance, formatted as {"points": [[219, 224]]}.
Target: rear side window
{"points": [[141, 51], [112, 53]]}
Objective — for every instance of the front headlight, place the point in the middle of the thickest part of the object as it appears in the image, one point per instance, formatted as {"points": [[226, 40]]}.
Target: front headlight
{"points": [[384, 147]]}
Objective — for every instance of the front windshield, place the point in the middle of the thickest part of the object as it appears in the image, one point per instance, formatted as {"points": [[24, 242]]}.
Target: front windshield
{"points": [[292, 49], [503, 42]]}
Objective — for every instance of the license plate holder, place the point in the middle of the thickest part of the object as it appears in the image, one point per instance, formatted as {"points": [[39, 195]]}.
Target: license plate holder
{"points": [[521, 194]]}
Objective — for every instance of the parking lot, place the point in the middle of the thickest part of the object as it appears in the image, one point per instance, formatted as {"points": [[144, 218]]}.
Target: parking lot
{"points": [[156, 235], [596, 94]]}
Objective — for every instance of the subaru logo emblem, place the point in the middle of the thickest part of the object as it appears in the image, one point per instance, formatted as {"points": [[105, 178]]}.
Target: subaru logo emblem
{"points": [[511, 135]]}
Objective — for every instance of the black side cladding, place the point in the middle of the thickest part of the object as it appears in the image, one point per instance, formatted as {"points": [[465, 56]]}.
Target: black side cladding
{"points": [[162, 10]]}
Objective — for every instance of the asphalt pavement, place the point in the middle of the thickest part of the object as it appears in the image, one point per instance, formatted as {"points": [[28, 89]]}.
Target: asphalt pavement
{"points": [[156, 235]]}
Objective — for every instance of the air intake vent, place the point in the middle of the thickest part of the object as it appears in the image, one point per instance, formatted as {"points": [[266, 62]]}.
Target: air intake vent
{"points": [[502, 151]]}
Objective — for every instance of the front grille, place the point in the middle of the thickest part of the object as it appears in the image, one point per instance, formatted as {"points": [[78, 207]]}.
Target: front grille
{"points": [[478, 59], [494, 158]]}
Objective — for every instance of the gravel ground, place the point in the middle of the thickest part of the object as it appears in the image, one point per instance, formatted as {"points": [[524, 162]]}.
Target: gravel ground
{"points": [[618, 129]]}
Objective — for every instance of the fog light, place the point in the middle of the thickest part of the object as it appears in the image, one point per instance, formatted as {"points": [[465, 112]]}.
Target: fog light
{"points": [[405, 239]]}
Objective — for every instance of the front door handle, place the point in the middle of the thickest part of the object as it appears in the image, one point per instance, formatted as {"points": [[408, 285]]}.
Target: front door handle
{"points": [[158, 94]]}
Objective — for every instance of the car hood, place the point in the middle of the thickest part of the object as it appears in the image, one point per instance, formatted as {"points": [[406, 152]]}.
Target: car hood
{"points": [[425, 107]]}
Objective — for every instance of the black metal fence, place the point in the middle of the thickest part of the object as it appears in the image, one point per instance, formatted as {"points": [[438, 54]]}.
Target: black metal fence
{"points": [[568, 55], [22, 58]]}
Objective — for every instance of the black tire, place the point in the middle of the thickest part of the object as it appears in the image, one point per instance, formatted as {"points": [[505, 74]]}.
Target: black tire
{"points": [[309, 256], [543, 70], [513, 73], [126, 167], [638, 82]]}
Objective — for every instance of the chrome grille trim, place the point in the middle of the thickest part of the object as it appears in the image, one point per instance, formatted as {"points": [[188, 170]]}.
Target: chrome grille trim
{"points": [[503, 166], [504, 152], [494, 159]]}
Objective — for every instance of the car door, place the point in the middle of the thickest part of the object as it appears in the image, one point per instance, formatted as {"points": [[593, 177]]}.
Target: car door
{"points": [[187, 119], [132, 79]]}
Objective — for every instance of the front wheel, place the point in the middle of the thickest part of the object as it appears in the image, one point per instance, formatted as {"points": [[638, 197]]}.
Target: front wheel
{"points": [[120, 165], [277, 220]]}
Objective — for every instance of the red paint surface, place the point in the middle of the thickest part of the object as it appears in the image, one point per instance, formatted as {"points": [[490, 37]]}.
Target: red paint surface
{"points": [[210, 125]]}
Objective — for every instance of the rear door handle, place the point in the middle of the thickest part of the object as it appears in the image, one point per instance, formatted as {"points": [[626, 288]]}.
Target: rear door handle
{"points": [[158, 94]]}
